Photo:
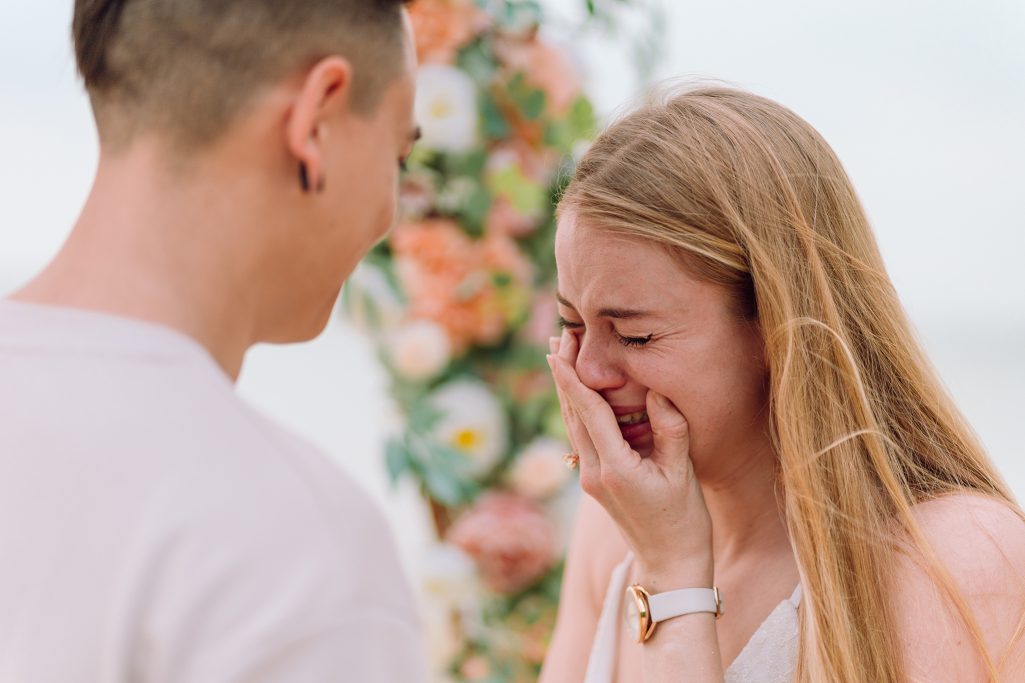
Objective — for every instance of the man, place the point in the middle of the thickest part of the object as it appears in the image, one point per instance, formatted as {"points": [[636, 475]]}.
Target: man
{"points": [[154, 528]]}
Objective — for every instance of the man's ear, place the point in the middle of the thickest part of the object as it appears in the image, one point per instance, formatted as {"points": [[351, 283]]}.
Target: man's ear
{"points": [[326, 89]]}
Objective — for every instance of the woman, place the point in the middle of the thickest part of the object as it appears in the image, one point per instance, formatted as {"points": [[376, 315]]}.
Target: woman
{"points": [[751, 412]]}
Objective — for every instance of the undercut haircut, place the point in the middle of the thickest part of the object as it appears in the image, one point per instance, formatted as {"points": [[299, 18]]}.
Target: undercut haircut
{"points": [[187, 68]]}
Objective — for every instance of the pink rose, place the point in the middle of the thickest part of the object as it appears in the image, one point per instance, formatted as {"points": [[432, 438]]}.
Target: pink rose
{"points": [[504, 219], [546, 67], [511, 540]]}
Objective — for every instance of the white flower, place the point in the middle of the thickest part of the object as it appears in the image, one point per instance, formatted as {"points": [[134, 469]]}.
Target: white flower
{"points": [[473, 423], [370, 300], [448, 573], [446, 108], [449, 584], [420, 350], [539, 471]]}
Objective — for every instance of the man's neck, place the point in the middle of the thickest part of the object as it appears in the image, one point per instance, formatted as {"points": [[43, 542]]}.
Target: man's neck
{"points": [[152, 254]]}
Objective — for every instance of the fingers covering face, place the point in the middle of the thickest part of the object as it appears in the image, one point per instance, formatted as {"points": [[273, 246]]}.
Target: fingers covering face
{"points": [[589, 418]]}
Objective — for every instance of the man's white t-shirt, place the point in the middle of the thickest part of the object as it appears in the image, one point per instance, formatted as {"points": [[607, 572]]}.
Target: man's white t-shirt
{"points": [[155, 529]]}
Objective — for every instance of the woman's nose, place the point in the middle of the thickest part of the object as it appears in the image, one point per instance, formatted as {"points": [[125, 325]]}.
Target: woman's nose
{"points": [[596, 367]]}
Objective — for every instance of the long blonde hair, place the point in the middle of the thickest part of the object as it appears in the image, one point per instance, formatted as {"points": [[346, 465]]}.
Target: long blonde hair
{"points": [[754, 199]]}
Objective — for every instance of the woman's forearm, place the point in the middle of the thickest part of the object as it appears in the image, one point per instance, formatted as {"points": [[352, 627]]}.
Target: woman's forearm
{"points": [[684, 650]]}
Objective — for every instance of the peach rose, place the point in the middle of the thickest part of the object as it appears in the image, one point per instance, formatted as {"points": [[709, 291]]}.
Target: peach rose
{"points": [[539, 471], [544, 317], [450, 278], [442, 27], [475, 668], [419, 350], [510, 539]]}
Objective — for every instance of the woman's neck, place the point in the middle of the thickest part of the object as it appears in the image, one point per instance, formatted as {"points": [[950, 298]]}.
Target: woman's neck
{"points": [[745, 511]]}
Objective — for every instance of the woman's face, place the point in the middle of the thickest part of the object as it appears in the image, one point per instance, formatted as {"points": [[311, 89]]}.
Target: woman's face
{"points": [[643, 322]]}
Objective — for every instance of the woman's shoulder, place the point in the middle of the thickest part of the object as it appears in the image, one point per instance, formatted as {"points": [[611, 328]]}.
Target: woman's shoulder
{"points": [[979, 541], [973, 533]]}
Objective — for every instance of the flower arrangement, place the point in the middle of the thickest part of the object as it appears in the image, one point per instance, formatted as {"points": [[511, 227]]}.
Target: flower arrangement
{"points": [[460, 303]]}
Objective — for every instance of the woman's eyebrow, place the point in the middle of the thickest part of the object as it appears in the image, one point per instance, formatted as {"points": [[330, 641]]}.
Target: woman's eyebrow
{"points": [[610, 312]]}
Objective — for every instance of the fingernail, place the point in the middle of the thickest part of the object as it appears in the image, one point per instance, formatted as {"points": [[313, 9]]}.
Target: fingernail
{"points": [[661, 400], [551, 361]]}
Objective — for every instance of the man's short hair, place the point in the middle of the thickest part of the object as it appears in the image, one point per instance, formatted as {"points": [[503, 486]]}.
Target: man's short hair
{"points": [[187, 68]]}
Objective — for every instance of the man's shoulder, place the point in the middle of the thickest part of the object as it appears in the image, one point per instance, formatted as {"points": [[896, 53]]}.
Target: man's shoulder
{"points": [[336, 495], [287, 514]]}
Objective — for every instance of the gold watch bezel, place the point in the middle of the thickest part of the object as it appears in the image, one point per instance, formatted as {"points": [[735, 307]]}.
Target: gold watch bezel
{"points": [[645, 626]]}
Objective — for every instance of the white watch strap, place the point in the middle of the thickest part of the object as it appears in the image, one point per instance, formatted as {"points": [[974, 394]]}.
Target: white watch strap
{"points": [[684, 601]]}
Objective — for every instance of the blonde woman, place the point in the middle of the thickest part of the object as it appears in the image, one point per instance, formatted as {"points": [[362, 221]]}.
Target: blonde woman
{"points": [[752, 414]]}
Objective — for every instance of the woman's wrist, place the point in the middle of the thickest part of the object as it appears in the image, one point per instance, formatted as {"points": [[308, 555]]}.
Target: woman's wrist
{"points": [[686, 572]]}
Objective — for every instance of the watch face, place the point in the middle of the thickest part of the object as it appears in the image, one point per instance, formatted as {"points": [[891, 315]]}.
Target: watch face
{"points": [[632, 612]]}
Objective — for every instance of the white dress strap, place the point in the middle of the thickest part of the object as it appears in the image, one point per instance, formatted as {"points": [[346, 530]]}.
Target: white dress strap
{"points": [[601, 665], [795, 597]]}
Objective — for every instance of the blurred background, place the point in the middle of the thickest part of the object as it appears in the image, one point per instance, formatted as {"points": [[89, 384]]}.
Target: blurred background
{"points": [[924, 103]]}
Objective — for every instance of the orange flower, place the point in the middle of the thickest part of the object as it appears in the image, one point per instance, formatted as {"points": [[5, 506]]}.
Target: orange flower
{"points": [[442, 27], [475, 289]]}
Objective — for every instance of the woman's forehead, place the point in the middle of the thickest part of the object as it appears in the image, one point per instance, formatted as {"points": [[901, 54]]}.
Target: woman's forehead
{"points": [[597, 268]]}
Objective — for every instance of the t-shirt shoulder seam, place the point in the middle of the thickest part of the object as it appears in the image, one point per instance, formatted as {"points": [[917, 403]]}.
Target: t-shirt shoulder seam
{"points": [[274, 435]]}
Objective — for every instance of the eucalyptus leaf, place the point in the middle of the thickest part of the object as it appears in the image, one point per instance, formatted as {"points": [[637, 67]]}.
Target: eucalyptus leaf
{"points": [[443, 487], [397, 459], [423, 416], [475, 211], [495, 125]]}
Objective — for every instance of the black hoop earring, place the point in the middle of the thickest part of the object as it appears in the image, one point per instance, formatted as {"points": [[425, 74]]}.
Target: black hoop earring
{"points": [[304, 177]]}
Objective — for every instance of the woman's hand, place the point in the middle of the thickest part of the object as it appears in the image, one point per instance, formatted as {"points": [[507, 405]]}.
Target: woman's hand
{"points": [[655, 501]]}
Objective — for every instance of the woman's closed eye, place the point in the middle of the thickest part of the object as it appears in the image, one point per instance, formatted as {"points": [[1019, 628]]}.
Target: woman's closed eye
{"points": [[634, 342]]}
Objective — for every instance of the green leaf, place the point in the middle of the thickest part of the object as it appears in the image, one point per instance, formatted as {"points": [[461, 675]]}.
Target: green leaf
{"points": [[578, 125], [423, 416], [501, 280], [421, 156], [583, 123], [533, 104], [525, 195], [443, 487], [468, 166], [397, 459], [445, 473], [475, 211], [529, 100], [478, 61], [495, 125]]}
